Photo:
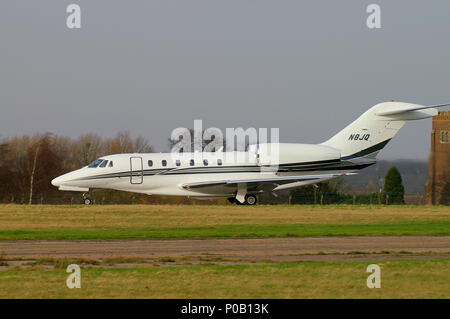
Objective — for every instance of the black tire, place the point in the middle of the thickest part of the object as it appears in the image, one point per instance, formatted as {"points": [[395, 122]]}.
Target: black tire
{"points": [[87, 201], [251, 200], [232, 200]]}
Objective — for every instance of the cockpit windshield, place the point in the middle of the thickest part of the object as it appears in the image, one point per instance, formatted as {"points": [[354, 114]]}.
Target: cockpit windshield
{"points": [[96, 163]]}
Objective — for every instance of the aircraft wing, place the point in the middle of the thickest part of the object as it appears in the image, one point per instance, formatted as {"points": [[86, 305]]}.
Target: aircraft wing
{"points": [[257, 182]]}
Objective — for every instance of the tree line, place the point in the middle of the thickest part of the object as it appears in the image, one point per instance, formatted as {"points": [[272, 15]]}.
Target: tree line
{"points": [[336, 192], [29, 163]]}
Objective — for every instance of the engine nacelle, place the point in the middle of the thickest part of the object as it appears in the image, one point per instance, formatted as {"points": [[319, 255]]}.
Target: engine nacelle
{"points": [[287, 153]]}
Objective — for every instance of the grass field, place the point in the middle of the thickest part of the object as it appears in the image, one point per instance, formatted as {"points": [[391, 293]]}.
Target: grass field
{"points": [[19, 222], [411, 277], [399, 279]]}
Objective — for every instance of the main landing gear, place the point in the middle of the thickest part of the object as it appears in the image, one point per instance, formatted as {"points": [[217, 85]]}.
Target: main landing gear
{"points": [[86, 199], [249, 200]]}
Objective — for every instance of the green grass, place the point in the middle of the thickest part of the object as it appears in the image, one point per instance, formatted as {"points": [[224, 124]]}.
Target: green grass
{"points": [[238, 231], [189, 221], [399, 279]]}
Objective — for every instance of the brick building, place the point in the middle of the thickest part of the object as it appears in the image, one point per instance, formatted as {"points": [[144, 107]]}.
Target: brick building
{"points": [[439, 162]]}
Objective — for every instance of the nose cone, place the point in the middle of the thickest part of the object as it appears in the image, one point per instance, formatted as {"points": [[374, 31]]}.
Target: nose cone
{"points": [[57, 181], [66, 179], [60, 180]]}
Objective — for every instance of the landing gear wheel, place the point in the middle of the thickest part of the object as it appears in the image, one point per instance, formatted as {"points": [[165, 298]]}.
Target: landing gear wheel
{"points": [[86, 199], [232, 200], [251, 200]]}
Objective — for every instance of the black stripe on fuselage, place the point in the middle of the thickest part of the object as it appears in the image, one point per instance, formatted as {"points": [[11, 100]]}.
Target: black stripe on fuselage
{"points": [[283, 168], [312, 163], [367, 151], [207, 169]]}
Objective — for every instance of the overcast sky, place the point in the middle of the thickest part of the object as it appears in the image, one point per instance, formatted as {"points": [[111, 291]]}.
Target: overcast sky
{"points": [[306, 67]]}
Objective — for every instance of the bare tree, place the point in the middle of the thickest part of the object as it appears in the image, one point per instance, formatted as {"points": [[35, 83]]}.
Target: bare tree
{"points": [[87, 148], [123, 143], [141, 145], [33, 171]]}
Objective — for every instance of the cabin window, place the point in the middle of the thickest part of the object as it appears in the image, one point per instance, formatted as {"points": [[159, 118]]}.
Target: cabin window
{"points": [[205, 162], [103, 164], [191, 162], [177, 162], [95, 163], [110, 164], [164, 163], [150, 163], [219, 162]]}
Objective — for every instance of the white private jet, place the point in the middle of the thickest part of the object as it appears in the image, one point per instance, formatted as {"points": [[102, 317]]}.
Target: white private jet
{"points": [[221, 175]]}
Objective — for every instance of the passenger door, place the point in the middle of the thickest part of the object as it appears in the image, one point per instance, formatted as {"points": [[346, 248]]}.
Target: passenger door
{"points": [[136, 173]]}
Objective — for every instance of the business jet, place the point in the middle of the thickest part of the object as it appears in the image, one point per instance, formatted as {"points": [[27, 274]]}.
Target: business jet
{"points": [[260, 169]]}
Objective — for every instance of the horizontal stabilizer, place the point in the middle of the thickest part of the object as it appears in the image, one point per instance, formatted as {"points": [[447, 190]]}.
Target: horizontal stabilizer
{"points": [[400, 109]]}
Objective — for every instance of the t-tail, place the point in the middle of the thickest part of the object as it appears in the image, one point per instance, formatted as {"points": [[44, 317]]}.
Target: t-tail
{"points": [[365, 137]]}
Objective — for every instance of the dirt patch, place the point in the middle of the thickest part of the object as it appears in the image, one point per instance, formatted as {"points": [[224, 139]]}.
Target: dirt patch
{"points": [[230, 247], [223, 251]]}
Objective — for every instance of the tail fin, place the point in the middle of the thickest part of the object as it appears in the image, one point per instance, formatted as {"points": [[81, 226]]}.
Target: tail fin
{"points": [[369, 133]]}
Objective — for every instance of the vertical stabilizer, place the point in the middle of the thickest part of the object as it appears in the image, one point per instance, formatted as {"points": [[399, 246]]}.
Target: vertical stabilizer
{"points": [[368, 134]]}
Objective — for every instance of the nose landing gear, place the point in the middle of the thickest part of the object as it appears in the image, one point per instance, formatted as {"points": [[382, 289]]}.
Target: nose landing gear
{"points": [[86, 199]]}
